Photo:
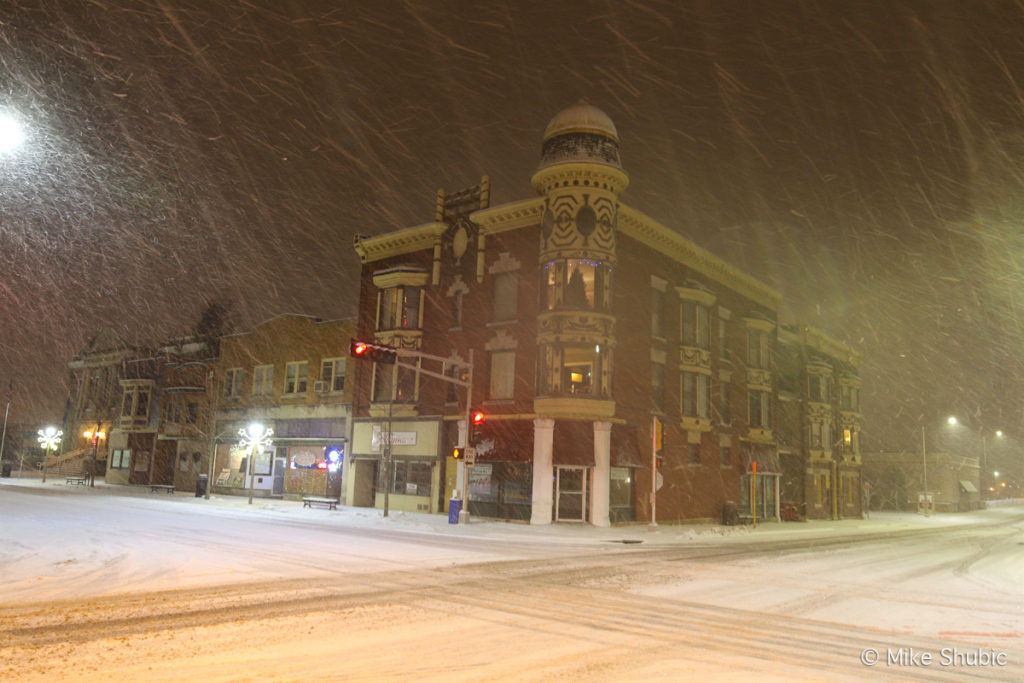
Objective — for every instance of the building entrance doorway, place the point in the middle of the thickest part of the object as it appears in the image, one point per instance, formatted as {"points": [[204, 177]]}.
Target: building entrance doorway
{"points": [[570, 494]]}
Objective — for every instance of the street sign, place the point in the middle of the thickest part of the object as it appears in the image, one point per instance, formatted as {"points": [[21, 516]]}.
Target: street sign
{"points": [[659, 481], [470, 455]]}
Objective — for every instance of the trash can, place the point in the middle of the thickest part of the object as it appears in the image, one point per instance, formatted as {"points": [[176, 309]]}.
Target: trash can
{"points": [[202, 481], [454, 508], [5, 469], [730, 515]]}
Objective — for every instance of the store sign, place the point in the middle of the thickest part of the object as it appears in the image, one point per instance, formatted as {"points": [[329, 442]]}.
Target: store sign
{"points": [[397, 438]]}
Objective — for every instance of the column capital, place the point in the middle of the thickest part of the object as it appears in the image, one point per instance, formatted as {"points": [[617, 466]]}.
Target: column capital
{"points": [[543, 423], [602, 426]]}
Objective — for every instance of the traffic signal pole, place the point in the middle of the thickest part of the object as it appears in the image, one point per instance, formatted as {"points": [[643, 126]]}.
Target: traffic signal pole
{"points": [[380, 353]]}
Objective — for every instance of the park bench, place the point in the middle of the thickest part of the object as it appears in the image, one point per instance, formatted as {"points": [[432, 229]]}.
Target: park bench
{"points": [[310, 501], [153, 488], [75, 479]]}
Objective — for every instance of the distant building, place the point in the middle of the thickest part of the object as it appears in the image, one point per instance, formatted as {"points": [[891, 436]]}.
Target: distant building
{"points": [[896, 481], [819, 424], [289, 373], [587, 320], [94, 402]]}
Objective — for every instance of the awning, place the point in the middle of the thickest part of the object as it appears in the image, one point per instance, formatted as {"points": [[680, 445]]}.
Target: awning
{"points": [[968, 486]]}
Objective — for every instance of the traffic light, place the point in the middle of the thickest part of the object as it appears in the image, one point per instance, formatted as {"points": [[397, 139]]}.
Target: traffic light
{"points": [[477, 417], [378, 353], [458, 452]]}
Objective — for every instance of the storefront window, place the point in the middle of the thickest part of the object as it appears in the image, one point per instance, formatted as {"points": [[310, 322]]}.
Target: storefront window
{"points": [[411, 478], [620, 494]]}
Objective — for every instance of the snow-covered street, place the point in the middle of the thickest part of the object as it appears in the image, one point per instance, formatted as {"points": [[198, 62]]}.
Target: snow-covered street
{"points": [[116, 584]]}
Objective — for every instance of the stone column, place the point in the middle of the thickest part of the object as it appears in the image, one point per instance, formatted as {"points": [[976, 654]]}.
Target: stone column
{"points": [[543, 439], [601, 482]]}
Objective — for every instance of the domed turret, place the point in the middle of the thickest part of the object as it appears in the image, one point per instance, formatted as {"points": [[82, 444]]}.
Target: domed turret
{"points": [[581, 118], [581, 133]]}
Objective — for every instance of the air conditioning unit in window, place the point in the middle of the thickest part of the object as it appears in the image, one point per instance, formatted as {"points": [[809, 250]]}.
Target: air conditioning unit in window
{"points": [[321, 387]]}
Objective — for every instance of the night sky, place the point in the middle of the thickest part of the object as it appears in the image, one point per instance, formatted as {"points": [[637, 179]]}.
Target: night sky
{"points": [[864, 158]]}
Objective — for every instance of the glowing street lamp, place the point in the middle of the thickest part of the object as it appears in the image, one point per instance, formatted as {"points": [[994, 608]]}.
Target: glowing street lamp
{"points": [[254, 439], [951, 420], [12, 134], [49, 440], [999, 433]]}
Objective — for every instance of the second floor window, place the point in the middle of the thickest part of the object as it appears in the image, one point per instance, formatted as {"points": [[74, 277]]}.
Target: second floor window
{"points": [[757, 349], [135, 402], [695, 394], [849, 397], [658, 387], [296, 379], [505, 297], [817, 386], [332, 372], [503, 374], [724, 409], [263, 380], [657, 312], [399, 308], [695, 325], [233, 382], [760, 409]]}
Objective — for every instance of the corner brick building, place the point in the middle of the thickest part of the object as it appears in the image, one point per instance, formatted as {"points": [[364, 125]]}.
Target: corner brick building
{"points": [[587, 320]]}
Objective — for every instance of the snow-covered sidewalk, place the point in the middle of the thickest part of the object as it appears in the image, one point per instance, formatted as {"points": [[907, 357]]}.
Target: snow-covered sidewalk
{"points": [[513, 532]]}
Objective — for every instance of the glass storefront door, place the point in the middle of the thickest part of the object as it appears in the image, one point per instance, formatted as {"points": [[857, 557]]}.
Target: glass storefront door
{"points": [[767, 502], [570, 494]]}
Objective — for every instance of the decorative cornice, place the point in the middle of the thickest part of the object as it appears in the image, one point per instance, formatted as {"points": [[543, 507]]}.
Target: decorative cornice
{"points": [[586, 408], [643, 228], [820, 341], [394, 277], [398, 242], [761, 324], [701, 296], [509, 216]]}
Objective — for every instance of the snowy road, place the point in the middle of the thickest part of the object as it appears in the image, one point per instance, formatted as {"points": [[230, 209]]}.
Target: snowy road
{"points": [[97, 585]]}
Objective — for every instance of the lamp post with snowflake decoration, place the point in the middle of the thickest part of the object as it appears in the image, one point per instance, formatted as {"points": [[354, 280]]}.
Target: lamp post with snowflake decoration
{"points": [[254, 439], [49, 440]]}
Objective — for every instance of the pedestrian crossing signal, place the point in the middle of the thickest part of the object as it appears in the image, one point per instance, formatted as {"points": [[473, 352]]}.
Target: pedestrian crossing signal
{"points": [[458, 453]]}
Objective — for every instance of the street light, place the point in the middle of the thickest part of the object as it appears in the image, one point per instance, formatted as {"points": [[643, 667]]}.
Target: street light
{"points": [[49, 440], [12, 134], [254, 439], [94, 437], [952, 420]]}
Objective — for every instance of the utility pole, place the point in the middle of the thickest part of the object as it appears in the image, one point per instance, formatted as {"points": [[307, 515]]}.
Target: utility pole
{"points": [[387, 446], [464, 511], [984, 467], [924, 473], [3, 437]]}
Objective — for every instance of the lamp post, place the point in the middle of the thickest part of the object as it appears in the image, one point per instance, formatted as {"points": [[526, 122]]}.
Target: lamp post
{"points": [[255, 439], [952, 422], [94, 436], [49, 440], [983, 473]]}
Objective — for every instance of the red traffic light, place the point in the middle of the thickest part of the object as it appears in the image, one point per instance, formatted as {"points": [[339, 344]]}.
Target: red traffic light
{"points": [[378, 353], [477, 417]]}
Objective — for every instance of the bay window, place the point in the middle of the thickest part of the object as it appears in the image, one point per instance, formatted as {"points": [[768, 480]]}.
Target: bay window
{"points": [[576, 284], [399, 308], [581, 368]]}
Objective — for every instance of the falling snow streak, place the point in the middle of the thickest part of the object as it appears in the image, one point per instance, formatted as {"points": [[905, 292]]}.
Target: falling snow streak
{"points": [[864, 159]]}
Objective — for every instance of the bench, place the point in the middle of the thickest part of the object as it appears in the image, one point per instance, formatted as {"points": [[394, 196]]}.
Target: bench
{"points": [[153, 488], [310, 501], [74, 479]]}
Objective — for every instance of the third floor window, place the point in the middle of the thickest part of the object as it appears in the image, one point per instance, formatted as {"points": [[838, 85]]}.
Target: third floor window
{"points": [[695, 325], [399, 308]]}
